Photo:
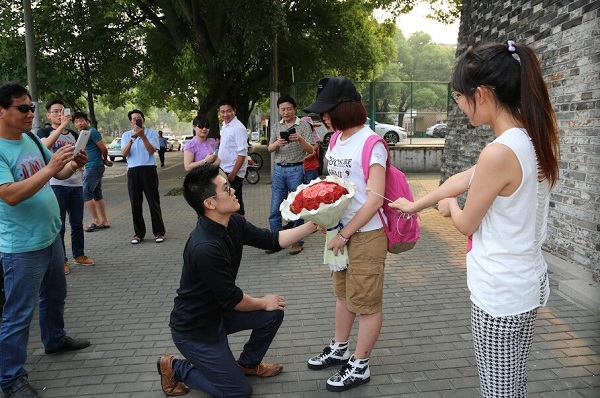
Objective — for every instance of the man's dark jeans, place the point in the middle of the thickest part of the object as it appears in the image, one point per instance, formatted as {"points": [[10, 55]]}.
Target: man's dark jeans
{"points": [[211, 367]]}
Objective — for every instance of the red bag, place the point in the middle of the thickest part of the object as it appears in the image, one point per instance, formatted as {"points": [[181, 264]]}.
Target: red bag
{"points": [[401, 229]]}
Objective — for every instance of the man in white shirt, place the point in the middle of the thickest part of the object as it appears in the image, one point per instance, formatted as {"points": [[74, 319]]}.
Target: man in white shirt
{"points": [[233, 149]]}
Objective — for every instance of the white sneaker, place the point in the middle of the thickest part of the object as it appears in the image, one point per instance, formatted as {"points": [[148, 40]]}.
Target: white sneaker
{"points": [[334, 354], [352, 374]]}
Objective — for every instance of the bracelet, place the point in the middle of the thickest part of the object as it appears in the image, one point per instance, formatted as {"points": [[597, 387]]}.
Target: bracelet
{"points": [[345, 240]]}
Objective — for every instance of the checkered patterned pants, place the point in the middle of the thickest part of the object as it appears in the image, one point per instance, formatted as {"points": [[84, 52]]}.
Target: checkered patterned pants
{"points": [[502, 346]]}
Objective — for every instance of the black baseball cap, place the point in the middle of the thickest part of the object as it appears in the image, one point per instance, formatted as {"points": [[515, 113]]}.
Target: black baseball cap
{"points": [[330, 92]]}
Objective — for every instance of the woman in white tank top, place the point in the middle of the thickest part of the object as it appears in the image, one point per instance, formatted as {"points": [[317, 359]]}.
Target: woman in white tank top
{"points": [[505, 214]]}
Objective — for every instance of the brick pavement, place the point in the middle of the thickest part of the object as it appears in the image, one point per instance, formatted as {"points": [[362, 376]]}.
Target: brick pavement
{"points": [[122, 305]]}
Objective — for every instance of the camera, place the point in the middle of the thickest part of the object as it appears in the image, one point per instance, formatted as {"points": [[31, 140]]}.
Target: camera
{"points": [[138, 122]]}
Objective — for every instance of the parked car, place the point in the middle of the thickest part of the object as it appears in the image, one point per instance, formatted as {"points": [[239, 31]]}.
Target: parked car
{"points": [[173, 144], [184, 140], [114, 149], [254, 136], [437, 130], [391, 134]]}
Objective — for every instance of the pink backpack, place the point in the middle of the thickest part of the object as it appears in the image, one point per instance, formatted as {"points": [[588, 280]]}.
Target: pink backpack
{"points": [[401, 229]]}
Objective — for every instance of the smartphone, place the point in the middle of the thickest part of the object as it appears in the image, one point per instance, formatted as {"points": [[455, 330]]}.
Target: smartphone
{"points": [[66, 111], [82, 140], [286, 134], [291, 130], [138, 122]]}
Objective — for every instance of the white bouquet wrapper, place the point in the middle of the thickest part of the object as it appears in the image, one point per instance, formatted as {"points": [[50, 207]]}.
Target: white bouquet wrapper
{"points": [[335, 263], [327, 216]]}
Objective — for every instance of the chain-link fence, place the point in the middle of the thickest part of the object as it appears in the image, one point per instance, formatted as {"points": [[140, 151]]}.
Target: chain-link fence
{"points": [[400, 111]]}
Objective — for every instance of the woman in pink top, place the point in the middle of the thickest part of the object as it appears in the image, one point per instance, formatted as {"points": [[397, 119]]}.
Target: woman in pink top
{"points": [[201, 150]]}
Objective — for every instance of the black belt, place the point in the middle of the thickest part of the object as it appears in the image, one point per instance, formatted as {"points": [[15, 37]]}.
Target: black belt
{"points": [[290, 164]]}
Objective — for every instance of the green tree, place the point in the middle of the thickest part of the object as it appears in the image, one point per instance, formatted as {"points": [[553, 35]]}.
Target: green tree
{"points": [[82, 50], [200, 52], [423, 62]]}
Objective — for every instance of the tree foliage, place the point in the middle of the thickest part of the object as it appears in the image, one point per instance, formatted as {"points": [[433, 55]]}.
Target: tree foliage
{"points": [[427, 65], [185, 55]]}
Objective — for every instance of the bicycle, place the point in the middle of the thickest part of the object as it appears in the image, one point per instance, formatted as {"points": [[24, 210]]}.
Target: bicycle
{"points": [[257, 159], [252, 175]]}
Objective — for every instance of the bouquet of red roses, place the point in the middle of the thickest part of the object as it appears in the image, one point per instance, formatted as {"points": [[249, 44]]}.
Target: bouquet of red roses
{"points": [[320, 201], [311, 197]]}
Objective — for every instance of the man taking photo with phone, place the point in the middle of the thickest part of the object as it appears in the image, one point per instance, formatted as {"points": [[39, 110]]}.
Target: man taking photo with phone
{"points": [[92, 175], [139, 145], [69, 192], [291, 140]]}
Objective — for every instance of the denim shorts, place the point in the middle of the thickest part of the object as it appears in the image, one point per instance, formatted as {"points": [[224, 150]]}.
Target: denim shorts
{"points": [[92, 183]]}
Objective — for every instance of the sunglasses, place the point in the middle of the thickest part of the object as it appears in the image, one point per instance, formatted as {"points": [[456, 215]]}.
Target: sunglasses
{"points": [[203, 126], [227, 191], [24, 108]]}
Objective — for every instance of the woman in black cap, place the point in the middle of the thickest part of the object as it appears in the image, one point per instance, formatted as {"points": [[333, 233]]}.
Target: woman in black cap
{"points": [[359, 287]]}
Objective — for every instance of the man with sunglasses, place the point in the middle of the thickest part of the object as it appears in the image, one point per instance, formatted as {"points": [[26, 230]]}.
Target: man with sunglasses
{"points": [[209, 305], [69, 192], [31, 251]]}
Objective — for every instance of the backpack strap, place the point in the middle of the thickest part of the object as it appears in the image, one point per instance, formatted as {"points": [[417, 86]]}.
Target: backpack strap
{"points": [[368, 149], [37, 143], [334, 138], [366, 157]]}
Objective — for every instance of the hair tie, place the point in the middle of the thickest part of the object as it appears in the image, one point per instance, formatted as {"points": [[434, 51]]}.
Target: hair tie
{"points": [[511, 46]]}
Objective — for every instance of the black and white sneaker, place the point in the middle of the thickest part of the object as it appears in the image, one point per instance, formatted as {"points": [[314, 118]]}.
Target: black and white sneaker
{"points": [[334, 354], [353, 374]]}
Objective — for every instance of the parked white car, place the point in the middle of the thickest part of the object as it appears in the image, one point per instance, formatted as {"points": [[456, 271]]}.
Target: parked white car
{"points": [[254, 136], [184, 140], [391, 134]]}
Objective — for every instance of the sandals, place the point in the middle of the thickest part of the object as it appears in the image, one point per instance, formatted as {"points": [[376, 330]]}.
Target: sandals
{"points": [[136, 240], [92, 227], [159, 239]]}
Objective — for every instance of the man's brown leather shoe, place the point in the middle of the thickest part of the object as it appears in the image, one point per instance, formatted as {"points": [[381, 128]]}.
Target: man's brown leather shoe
{"points": [[170, 386], [263, 370]]}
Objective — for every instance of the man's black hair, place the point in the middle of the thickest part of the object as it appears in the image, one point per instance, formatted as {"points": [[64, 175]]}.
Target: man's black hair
{"points": [[56, 101], [131, 112], [287, 98], [226, 101], [80, 114], [9, 91], [198, 186]]}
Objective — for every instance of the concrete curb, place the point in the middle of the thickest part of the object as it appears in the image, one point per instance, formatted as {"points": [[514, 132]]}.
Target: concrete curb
{"points": [[574, 282]]}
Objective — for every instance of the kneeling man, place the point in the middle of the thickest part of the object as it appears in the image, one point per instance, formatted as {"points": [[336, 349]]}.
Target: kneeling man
{"points": [[209, 305]]}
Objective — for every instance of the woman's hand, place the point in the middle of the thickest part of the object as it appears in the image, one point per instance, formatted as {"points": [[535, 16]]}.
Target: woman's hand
{"points": [[404, 205], [210, 158], [337, 244], [444, 206]]}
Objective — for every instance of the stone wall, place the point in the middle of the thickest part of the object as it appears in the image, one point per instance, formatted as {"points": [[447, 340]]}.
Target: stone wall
{"points": [[565, 36]]}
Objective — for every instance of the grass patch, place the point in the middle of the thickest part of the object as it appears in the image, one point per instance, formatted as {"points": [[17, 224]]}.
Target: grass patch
{"points": [[178, 191]]}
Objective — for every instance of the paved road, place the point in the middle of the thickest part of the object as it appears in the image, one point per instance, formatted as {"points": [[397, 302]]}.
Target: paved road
{"points": [[122, 305]]}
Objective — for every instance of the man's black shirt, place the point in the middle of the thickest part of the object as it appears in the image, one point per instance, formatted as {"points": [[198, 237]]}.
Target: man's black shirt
{"points": [[211, 260]]}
